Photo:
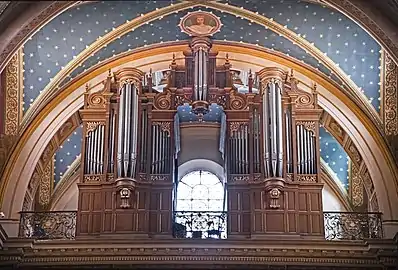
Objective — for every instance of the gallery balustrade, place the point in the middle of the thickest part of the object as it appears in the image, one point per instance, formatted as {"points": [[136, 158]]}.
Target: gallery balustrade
{"points": [[201, 225]]}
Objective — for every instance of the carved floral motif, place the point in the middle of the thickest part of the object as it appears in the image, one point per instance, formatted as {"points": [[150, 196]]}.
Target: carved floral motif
{"points": [[308, 125], [91, 126], [92, 178], [12, 95], [164, 126], [245, 178], [236, 126], [159, 177], [356, 187], [306, 177], [390, 96], [45, 184]]}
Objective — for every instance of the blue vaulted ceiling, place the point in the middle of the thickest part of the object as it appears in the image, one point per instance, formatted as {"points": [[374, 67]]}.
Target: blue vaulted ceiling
{"points": [[62, 39]]}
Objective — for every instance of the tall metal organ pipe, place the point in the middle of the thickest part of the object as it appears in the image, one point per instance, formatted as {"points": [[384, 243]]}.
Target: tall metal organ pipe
{"points": [[127, 132], [272, 129], [200, 83]]}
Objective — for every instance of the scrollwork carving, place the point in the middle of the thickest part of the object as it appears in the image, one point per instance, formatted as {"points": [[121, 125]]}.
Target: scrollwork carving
{"points": [[237, 101], [236, 126], [45, 185], [92, 178], [12, 95], [96, 100], [356, 187], [390, 97], [305, 100], [238, 178], [91, 126], [306, 178], [162, 178], [308, 125], [163, 101], [354, 154], [164, 126]]}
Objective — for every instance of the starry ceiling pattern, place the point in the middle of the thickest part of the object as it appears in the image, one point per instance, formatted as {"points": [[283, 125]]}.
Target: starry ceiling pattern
{"points": [[334, 156], [60, 41], [68, 34], [338, 37], [67, 153]]}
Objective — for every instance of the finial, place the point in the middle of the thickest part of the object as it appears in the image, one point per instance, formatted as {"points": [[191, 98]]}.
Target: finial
{"points": [[109, 73], [314, 87], [150, 72], [291, 73], [87, 87]]}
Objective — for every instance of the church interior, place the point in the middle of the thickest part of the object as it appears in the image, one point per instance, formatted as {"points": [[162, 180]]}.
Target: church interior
{"points": [[219, 134]]}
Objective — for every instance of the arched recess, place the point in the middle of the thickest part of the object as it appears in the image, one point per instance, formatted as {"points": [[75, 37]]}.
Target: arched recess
{"points": [[360, 128]]}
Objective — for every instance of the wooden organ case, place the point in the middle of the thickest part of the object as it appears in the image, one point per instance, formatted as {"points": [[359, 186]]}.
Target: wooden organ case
{"points": [[271, 150]]}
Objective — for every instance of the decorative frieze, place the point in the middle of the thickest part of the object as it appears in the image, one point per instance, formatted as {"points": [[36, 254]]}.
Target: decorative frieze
{"points": [[46, 181], [357, 194], [390, 96], [13, 94]]}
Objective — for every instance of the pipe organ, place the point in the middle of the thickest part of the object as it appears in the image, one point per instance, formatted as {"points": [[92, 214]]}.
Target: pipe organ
{"points": [[269, 145]]}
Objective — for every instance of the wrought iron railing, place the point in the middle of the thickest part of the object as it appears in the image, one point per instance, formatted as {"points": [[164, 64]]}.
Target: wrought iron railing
{"points": [[352, 225], [200, 225], [48, 225]]}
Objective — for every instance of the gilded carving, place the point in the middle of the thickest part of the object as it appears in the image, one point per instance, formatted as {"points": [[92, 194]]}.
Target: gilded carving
{"points": [[308, 125], [236, 126], [91, 178], [91, 126], [306, 177], [110, 177], [354, 154], [27, 203], [336, 130], [34, 181], [159, 177], [390, 99], [256, 177], [237, 101], [236, 178], [163, 101], [13, 94], [367, 181], [356, 187], [45, 184], [164, 126]]}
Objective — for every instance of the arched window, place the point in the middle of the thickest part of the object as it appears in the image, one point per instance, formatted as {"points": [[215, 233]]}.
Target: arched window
{"points": [[200, 206]]}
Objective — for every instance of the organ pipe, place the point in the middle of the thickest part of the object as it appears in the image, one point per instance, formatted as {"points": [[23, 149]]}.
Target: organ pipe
{"points": [[272, 130], [127, 131]]}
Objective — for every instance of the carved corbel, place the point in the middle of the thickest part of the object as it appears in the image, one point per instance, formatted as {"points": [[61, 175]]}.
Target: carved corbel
{"points": [[274, 191], [126, 189], [274, 195]]}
